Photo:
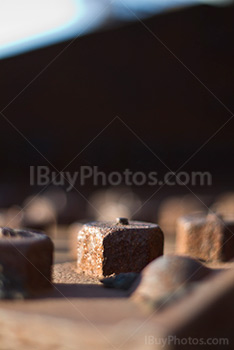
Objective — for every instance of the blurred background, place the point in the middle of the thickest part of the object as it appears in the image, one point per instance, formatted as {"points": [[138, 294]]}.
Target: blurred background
{"points": [[68, 68]]}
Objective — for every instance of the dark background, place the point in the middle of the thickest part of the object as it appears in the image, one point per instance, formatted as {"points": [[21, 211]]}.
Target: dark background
{"points": [[124, 72]]}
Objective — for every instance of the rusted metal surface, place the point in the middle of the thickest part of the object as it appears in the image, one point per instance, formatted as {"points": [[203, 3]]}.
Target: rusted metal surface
{"points": [[72, 233], [112, 247], [80, 315], [25, 259], [208, 237], [167, 279], [207, 314]]}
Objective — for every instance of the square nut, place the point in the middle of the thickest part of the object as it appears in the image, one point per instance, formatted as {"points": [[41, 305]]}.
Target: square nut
{"points": [[205, 237], [25, 260], [106, 248]]}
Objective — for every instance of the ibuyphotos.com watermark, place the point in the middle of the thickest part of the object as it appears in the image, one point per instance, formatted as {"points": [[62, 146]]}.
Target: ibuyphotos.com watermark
{"points": [[43, 175], [173, 340]]}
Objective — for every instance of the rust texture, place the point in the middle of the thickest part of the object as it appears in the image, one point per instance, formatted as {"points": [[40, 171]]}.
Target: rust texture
{"points": [[25, 262], [167, 279], [106, 248], [209, 238]]}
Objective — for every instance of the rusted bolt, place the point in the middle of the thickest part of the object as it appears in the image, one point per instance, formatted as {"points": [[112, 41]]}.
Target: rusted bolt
{"points": [[25, 262], [167, 278], [208, 237], [122, 221], [106, 248]]}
